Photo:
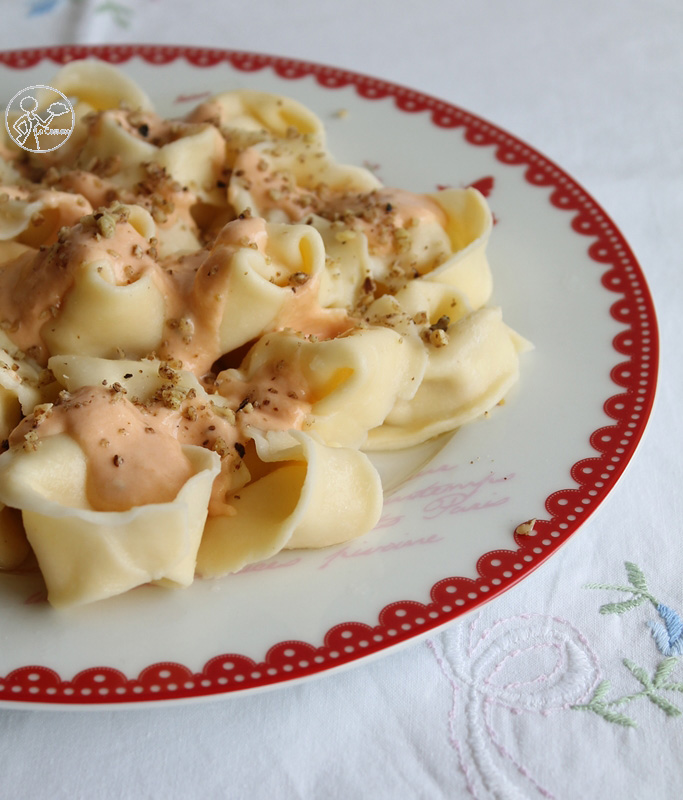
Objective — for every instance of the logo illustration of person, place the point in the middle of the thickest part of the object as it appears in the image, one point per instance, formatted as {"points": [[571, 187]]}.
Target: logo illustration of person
{"points": [[31, 122]]}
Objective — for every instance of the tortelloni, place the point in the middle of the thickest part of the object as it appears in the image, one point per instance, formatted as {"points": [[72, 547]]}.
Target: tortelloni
{"points": [[207, 324], [290, 506]]}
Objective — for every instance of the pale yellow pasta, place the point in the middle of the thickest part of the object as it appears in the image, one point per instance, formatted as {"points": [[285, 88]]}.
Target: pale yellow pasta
{"points": [[435, 300], [194, 159], [252, 268], [87, 555], [35, 218], [100, 317], [469, 226], [352, 381], [292, 505], [262, 112], [446, 244], [95, 86], [246, 117], [466, 376], [100, 85], [19, 387], [290, 170], [141, 380], [349, 266], [107, 139]]}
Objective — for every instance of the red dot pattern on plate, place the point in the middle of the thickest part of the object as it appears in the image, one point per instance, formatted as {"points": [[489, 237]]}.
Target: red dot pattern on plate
{"points": [[634, 376]]}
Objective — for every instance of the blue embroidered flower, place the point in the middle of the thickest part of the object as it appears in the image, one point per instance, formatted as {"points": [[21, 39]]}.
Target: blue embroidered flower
{"points": [[120, 13], [669, 636], [38, 7]]}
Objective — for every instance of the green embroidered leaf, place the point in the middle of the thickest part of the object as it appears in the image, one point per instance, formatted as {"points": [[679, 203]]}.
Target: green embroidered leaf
{"points": [[601, 690], [610, 587], [627, 698], [673, 687], [636, 577], [664, 669], [639, 673], [669, 708], [625, 605], [614, 716]]}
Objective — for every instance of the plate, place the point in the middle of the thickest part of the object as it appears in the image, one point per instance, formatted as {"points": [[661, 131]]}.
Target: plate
{"points": [[447, 540]]}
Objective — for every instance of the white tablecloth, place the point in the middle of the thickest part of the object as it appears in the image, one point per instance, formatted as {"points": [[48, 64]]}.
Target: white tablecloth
{"points": [[596, 85]]}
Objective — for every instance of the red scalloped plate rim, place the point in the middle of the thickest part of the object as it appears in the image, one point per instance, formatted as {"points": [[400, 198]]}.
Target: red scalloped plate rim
{"points": [[399, 623]]}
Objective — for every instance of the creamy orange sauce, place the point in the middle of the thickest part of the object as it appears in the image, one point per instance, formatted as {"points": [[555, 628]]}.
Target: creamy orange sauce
{"points": [[33, 286], [145, 125], [272, 189], [195, 287], [98, 191], [379, 214], [56, 210], [304, 314], [273, 398], [133, 448], [200, 288], [131, 460], [209, 111]]}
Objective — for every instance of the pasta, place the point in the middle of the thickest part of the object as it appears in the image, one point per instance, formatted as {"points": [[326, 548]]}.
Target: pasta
{"points": [[206, 324]]}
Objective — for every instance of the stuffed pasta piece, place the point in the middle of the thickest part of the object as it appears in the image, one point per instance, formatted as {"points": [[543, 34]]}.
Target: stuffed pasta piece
{"points": [[109, 499]]}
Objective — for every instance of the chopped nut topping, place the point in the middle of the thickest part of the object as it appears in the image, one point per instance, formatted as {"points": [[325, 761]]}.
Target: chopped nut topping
{"points": [[525, 528], [170, 396], [220, 446], [298, 278], [224, 412], [184, 326], [435, 337], [31, 442], [345, 236], [167, 372], [42, 411], [106, 224], [441, 324], [190, 413]]}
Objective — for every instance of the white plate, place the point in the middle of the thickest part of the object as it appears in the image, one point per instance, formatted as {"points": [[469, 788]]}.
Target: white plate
{"points": [[566, 280]]}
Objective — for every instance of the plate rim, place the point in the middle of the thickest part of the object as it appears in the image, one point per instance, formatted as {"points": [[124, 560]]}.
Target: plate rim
{"points": [[401, 622]]}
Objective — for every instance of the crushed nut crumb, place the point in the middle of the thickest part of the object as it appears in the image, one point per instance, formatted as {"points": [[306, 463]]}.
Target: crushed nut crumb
{"points": [[525, 528]]}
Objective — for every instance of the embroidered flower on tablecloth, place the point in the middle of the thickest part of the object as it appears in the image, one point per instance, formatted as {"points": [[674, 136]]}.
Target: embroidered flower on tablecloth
{"points": [[529, 663], [668, 636], [120, 13], [534, 663]]}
